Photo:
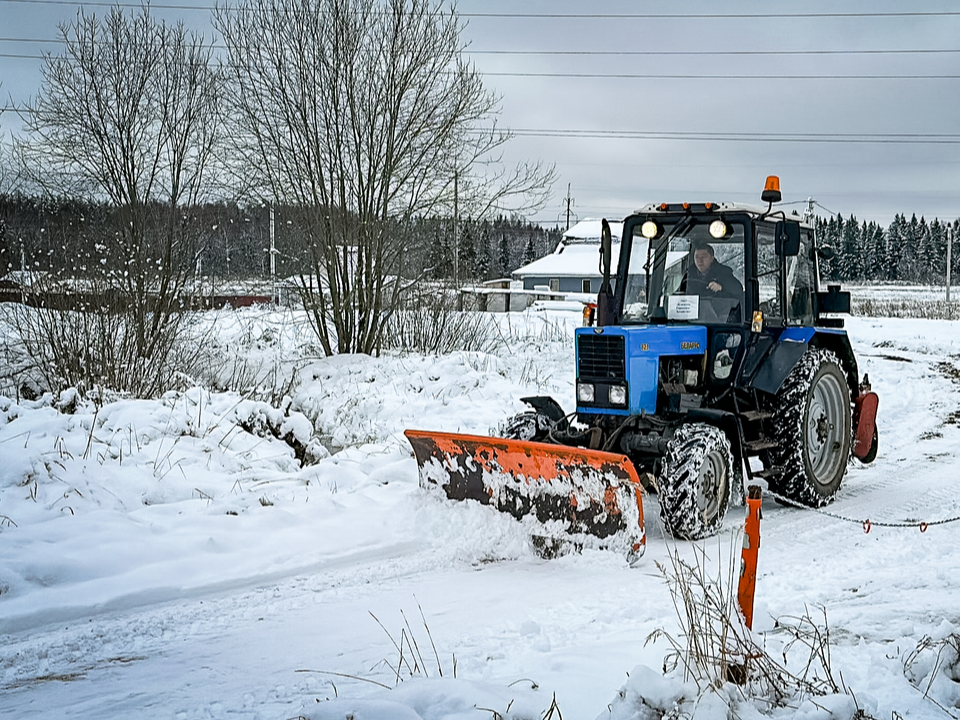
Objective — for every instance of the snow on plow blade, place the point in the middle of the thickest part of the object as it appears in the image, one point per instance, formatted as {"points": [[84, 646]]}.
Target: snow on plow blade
{"points": [[571, 492]]}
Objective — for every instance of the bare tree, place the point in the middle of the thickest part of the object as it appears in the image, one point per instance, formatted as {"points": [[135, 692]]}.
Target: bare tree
{"points": [[364, 114], [127, 115]]}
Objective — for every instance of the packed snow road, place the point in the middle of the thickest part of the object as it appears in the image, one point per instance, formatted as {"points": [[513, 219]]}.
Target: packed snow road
{"points": [[159, 561]]}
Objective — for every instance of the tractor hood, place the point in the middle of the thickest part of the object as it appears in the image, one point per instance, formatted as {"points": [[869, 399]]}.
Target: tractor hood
{"points": [[629, 357]]}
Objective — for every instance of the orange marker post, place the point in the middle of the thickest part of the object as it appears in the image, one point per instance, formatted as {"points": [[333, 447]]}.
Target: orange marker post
{"points": [[748, 557]]}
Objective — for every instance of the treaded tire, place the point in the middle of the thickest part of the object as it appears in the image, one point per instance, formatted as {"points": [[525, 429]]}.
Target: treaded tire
{"points": [[696, 482], [812, 424], [529, 425]]}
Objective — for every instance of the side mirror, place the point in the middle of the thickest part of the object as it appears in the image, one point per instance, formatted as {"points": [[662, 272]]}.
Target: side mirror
{"points": [[605, 309], [826, 252], [787, 238]]}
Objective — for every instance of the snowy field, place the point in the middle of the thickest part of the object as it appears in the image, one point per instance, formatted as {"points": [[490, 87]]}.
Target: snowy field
{"points": [[173, 559]]}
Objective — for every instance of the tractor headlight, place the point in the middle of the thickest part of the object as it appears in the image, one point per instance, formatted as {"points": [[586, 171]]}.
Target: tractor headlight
{"points": [[651, 229], [618, 395], [719, 229], [585, 392]]}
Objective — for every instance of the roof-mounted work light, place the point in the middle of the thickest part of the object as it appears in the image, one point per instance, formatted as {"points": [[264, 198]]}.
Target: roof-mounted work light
{"points": [[720, 229], [651, 229]]}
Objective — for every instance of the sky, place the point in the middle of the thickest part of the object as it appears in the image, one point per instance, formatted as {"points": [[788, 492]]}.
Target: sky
{"points": [[854, 105]]}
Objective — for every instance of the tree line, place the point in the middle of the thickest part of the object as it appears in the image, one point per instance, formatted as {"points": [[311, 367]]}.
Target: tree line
{"points": [[228, 241], [912, 251]]}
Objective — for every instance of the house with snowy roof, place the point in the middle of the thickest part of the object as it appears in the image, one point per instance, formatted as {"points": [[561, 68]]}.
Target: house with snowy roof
{"points": [[574, 267]]}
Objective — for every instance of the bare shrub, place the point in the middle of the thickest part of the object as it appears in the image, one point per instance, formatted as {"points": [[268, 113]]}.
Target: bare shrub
{"points": [[98, 345], [128, 119], [17, 369], [428, 323], [537, 329], [254, 379]]}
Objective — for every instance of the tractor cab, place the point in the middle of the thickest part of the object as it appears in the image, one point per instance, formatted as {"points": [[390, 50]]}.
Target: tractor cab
{"points": [[716, 264]]}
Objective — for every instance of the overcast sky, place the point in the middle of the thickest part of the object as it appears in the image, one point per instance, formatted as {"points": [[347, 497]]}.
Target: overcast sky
{"points": [[744, 90]]}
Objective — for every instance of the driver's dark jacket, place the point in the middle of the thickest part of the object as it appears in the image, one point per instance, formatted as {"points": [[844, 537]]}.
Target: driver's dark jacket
{"points": [[718, 273]]}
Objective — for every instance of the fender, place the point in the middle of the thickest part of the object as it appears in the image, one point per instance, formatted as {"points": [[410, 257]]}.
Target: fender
{"points": [[790, 347], [865, 424]]}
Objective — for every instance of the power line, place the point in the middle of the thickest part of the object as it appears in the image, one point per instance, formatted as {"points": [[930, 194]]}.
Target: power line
{"points": [[659, 76], [136, 6], [559, 16], [698, 16], [633, 53], [703, 53], [732, 76], [859, 138], [678, 135]]}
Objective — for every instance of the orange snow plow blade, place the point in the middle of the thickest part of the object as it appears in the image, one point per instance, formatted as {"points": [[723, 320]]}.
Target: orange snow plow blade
{"points": [[571, 492]]}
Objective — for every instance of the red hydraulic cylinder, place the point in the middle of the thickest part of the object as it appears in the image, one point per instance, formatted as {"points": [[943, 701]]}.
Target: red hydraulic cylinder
{"points": [[748, 556]]}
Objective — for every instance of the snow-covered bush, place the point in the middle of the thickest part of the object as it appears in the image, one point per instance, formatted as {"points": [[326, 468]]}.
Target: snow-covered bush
{"points": [[264, 420]]}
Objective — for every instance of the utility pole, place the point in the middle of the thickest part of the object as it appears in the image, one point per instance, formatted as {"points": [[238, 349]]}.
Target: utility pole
{"points": [[456, 229], [949, 258], [569, 201], [273, 258], [23, 274]]}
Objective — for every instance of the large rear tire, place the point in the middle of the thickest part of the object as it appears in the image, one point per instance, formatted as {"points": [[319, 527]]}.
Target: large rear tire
{"points": [[812, 426], [696, 481]]}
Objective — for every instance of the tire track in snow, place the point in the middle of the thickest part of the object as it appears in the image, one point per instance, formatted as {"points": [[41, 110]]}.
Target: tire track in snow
{"points": [[916, 399]]}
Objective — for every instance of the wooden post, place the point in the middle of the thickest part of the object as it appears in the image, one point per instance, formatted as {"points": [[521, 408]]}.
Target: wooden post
{"points": [[748, 557]]}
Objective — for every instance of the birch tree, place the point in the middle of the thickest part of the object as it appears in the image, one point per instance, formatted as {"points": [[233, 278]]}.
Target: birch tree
{"points": [[128, 116], [365, 114]]}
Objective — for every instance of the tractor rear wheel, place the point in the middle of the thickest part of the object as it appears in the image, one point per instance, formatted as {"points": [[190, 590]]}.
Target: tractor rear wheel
{"points": [[812, 426], [696, 481]]}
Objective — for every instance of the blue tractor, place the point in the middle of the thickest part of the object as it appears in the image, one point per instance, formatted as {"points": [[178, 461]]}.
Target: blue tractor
{"points": [[715, 353]]}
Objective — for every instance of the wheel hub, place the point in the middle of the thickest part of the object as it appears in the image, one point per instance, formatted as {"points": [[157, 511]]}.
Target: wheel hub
{"points": [[709, 484], [823, 431]]}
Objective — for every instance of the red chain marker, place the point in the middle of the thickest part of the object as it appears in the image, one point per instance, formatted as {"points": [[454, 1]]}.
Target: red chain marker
{"points": [[866, 526], [923, 527], [748, 556]]}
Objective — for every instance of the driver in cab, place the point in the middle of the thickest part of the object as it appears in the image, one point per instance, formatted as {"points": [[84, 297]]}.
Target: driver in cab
{"points": [[711, 278]]}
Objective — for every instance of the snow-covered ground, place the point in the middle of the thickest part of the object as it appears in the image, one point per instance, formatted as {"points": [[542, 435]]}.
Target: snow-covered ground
{"points": [[173, 559]]}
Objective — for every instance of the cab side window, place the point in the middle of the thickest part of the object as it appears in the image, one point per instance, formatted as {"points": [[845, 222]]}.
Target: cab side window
{"points": [[801, 283], [767, 275]]}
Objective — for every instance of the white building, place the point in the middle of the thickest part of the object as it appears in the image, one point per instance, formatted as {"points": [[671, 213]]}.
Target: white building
{"points": [[574, 266]]}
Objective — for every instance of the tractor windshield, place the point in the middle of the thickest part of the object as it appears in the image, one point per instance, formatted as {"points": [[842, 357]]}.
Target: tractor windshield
{"points": [[695, 273]]}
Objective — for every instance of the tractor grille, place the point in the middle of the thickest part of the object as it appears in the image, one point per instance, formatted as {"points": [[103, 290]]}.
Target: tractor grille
{"points": [[601, 356]]}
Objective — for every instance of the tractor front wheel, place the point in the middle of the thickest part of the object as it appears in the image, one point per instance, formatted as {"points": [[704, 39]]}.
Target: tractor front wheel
{"points": [[812, 427], [528, 425], [696, 481]]}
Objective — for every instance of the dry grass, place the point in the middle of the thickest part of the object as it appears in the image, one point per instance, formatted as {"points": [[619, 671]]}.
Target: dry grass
{"points": [[716, 649], [906, 308], [416, 656], [930, 660]]}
